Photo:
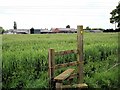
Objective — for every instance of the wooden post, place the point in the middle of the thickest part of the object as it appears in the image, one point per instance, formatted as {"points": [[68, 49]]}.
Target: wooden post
{"points": [[51, 61], [59, 86], [80, 52]]}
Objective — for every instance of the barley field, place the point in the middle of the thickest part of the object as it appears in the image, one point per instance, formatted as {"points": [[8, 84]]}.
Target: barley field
{"points": [[25, 59]]}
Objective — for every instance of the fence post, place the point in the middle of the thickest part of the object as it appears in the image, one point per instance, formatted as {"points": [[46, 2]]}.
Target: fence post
{"points": [[80, 52], [51, 61]]}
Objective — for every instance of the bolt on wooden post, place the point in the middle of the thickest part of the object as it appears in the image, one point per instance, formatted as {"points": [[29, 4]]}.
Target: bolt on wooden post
{"points": [[51, 61], [80, 52]]}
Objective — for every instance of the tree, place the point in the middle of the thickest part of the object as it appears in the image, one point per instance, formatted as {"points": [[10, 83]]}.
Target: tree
{"points": [[15, 25], [68, 26], [1, 30], [32, 30], [115, 18], [87, 28]]}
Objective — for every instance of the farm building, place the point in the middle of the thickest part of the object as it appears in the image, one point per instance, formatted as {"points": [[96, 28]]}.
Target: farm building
{"points": [[43, 31], [39, 31], [27, 31], [36, 31], [11, 31], [17, 31], [63, 30], [23, 31]]}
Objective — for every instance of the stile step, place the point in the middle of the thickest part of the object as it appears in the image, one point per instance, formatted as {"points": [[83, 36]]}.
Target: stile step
{"points": [[64, 75]]}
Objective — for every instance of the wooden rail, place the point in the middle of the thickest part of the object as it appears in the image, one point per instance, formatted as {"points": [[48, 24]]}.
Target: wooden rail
{"points": [[66, 52], [67, 64]]}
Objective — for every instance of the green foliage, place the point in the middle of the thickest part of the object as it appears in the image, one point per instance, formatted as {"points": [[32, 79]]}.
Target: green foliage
{"points": [[68, 26], [25, 58], [87, 28], [15, 25], [97, 29], [115, 18], [32, 30], [1, 30]]}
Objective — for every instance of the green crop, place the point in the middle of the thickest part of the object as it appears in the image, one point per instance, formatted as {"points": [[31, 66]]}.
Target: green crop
{"points": [[25, 58]]}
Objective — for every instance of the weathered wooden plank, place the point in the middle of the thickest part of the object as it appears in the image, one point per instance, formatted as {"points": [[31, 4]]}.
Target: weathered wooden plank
{"points": [[64, 75], [80, 52], [73, 76], [83, 85], [66, 52], [67, 64]]}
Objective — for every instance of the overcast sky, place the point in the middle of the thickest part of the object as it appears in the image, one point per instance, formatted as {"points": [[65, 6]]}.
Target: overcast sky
{"points": [[56, 13]]}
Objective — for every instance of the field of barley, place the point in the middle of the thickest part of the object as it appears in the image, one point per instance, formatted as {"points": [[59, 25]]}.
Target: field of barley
{"points": [[25, 59]]}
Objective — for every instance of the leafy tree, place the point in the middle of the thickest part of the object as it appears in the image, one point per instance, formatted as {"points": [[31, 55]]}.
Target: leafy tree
{"points": [[87, 28], [32, 30], [115, 18], [15, 25], [1, 30], [68, 26]]}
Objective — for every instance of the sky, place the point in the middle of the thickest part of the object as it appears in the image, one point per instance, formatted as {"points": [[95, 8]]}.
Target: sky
{"points": [[56, 13]]}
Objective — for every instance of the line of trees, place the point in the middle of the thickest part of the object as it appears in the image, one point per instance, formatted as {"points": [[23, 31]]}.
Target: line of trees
{"points": [[88, 28], [104, 30], [111, 30]]}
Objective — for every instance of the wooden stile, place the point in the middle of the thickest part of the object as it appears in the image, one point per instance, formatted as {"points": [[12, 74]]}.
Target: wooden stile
{"points": [[68, 74]]}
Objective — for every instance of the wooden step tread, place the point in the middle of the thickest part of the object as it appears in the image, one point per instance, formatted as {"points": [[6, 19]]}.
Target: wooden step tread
{"points": [[64, 75], [83, 85]]}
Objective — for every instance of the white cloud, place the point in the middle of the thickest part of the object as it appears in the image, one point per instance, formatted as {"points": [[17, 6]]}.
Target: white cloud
{"points": [[56, 13]]}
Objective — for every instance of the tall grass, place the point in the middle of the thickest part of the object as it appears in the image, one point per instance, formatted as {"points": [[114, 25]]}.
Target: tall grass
{"points": [[25, 58]]}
